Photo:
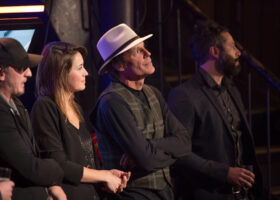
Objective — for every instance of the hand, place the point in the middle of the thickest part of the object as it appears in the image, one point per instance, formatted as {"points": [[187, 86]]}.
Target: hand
{"points": [[112, 182], [6, 189], [57, 193], [126, 162], [124, 178], [241, 177]]}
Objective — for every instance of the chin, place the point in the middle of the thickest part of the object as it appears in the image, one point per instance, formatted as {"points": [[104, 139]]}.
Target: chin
{"points": [[152, 70], [82, 88], [19, 93]]}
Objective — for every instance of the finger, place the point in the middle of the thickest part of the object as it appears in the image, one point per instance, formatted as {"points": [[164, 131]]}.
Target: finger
{"points": [[249, 178], [120, 189], [128, 174], [124, 181], [12, 184], [117, 173], [246, 183], [248, 173]]}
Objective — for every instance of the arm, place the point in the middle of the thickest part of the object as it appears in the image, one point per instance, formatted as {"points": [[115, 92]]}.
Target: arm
{"points": [[115, 180], [47, 124], [17, 153], [119, 122], [177, 140]]}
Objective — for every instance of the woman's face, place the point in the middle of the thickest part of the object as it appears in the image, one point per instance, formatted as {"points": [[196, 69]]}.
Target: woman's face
{"points": [[77, 74]]}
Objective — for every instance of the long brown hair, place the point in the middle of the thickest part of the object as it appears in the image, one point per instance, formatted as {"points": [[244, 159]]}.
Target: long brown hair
{"points": [[52, 73]]}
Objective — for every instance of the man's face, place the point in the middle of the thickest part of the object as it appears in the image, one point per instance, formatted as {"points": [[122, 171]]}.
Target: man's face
{"points": [[228, 62], [13, 81], [138, 63]]}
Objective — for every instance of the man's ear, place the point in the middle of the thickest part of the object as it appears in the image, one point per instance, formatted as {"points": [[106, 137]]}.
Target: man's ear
{"points": [[2, 74], [120, 67], [214, 52]]}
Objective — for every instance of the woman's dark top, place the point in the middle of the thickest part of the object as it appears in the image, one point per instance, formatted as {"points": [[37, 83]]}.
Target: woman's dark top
{"points": [[71, 147]]}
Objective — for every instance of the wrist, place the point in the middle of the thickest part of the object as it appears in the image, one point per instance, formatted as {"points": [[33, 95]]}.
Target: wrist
{"points": [[105, 176]]}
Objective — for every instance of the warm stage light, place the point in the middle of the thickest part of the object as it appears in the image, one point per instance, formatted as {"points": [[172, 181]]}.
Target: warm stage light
{"points": [[21, 9]]}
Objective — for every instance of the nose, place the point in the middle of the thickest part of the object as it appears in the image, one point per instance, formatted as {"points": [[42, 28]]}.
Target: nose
{"points": [[146, 52], [85, 72], [27, 72], [238, 53]]}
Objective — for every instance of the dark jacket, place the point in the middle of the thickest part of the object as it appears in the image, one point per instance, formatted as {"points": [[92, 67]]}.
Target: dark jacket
{"points": [[19, 152], [204, 173], [58, 142]]}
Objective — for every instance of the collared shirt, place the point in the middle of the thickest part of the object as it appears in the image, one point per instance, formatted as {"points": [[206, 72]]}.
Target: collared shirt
{"points": [[230, 110]]}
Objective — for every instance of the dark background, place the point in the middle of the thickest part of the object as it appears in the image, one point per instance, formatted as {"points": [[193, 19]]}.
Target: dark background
{"points": [[255, 24]]}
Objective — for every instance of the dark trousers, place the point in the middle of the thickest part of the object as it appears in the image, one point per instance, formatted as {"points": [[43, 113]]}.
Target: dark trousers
{"points": [[132, 193]]}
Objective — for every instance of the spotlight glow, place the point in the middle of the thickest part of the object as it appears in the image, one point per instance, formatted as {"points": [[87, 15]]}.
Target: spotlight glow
{"points": [[21, 9]]}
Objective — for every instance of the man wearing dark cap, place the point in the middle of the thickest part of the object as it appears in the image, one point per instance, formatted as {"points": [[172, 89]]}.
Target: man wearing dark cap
{"points": [[134, 126], [34, 178]]}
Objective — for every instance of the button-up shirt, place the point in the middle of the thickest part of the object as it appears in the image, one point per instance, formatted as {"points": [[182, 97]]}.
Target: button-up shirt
{"points": [[230, 110]]}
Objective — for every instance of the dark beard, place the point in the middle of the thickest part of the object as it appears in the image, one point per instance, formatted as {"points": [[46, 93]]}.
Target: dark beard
{"points": [[227, 65]]}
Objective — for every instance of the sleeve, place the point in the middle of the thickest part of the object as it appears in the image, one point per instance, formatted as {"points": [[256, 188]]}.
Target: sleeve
{"points": [[47, 125], [184, 110], [19, 155], [119, 122], [177, 140]]}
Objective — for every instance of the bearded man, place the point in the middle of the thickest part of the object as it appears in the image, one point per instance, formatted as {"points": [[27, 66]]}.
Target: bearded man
{"points": [[224, 164]]}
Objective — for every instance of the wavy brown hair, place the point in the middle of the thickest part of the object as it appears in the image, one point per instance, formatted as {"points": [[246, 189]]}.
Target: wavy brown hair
{"points": [[52, 73]]}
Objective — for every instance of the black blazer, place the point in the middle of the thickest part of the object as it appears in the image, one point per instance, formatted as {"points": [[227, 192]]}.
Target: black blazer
{"points": [[198, 109], [18, 151]]}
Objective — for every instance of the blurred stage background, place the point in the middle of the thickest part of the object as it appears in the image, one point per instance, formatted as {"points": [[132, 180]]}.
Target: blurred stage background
{"points": [[254, 24]]}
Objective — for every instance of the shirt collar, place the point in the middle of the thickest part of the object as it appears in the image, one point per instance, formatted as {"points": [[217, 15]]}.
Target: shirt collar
{"points": [[211, 83], [11, 103]]}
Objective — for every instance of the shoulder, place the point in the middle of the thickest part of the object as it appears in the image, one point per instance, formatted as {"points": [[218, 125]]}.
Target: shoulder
{"points": [[44, 100], [190, 91], [185, 89], [110, 101], [45, 104]]}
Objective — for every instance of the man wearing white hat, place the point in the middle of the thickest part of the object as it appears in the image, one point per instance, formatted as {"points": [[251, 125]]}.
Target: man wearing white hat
{"points": [[132, 119]]}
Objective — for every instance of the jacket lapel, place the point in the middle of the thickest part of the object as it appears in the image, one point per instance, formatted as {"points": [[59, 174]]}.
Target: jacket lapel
{"points": [[239, 106], [213, 99], [24, 126]]}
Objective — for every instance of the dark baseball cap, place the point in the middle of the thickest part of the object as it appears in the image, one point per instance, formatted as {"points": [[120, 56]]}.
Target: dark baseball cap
{"points": [[13, 54]]}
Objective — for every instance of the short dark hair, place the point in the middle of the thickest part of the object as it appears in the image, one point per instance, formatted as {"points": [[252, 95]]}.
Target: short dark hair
{"points": [[205, 35], [113, 73]]}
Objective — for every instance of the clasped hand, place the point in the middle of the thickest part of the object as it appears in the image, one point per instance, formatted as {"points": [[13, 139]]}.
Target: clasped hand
{"points": [[117, 180]]}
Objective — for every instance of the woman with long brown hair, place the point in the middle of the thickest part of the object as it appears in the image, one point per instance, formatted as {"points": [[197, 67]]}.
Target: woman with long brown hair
{"points": [[59, 125]]}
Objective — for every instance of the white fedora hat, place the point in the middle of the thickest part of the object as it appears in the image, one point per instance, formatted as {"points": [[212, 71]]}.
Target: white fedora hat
{"points": [[116, 41]]}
